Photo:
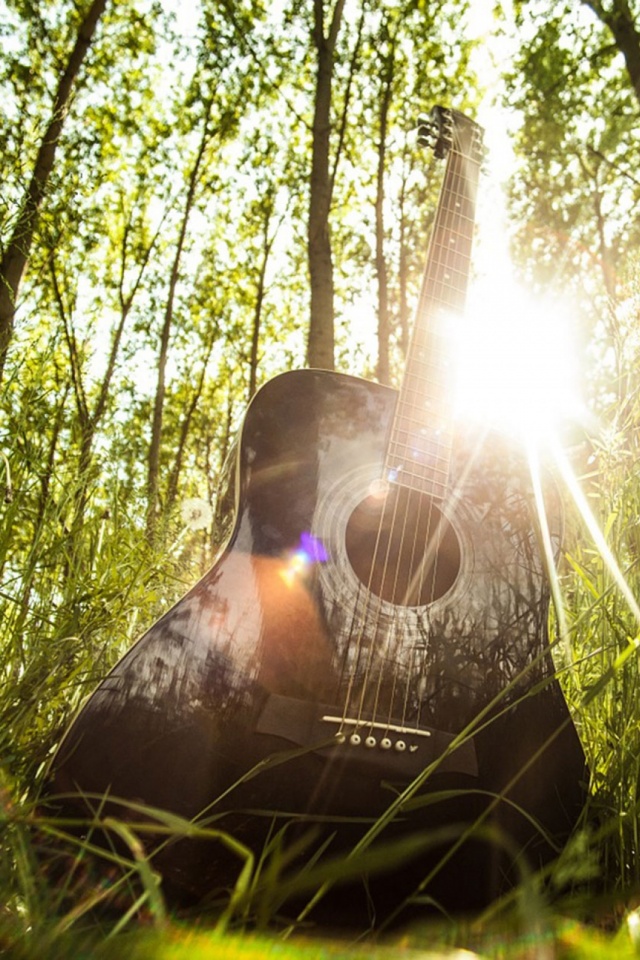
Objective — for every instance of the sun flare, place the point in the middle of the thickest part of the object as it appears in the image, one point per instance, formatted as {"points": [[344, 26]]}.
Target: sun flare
{"points": [[515, 355], [515, 362]]}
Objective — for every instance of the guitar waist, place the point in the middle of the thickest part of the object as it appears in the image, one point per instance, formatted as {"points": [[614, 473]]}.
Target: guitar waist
{"points": [[394, 748]]}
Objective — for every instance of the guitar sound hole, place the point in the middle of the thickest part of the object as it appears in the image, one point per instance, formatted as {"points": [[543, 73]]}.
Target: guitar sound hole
{"points": [[402, 547]]}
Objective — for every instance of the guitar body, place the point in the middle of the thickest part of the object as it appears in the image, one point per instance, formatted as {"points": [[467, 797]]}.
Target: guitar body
{"points": [[363, 653]]}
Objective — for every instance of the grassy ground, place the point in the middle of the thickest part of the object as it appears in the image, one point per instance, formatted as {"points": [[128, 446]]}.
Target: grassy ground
{"points": [[561, 939], [74, 597]]}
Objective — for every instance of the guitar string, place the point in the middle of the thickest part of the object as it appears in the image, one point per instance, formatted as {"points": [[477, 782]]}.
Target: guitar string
{"points": [[424, 582], [445, 268], [448, 212], [361, 624], [374, 628], [396, 577], [405, 599], [395, 656], [456, 254], [370, 623]]}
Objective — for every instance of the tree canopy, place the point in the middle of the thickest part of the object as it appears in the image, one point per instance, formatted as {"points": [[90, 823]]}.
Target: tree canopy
{"points": [[197, 197]]}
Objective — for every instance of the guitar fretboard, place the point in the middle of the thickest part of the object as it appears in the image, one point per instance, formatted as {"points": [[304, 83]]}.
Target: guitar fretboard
{"points": [[419, 450]]}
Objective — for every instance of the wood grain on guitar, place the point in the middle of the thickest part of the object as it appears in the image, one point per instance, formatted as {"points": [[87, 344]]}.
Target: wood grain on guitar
{"points": [[380, 610]]}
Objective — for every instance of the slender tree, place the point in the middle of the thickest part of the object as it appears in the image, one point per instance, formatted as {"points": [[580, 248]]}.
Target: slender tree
{"points": [[153, 459], [321, 341], [16, 253], [623, 24], [387, 72], [92, 402]]}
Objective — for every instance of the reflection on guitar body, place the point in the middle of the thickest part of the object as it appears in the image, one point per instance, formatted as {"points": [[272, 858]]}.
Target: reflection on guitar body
{"points": [[380, 610]]}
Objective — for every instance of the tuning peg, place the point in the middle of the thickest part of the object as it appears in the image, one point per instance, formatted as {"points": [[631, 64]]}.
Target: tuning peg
{"points": [[427, 132], [484, 158]]}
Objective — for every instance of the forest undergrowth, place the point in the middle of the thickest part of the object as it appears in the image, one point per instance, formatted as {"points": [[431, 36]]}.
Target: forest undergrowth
{"points": [[76, 595], [191, 205]]}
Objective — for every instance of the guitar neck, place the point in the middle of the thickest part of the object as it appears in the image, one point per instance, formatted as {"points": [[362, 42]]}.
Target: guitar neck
{"points": [[419, 451]]}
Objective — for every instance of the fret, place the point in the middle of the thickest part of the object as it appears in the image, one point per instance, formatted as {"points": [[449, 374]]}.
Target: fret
{"points": [[426, 406], [401, 468], [456, 245], [416, 445], [462, 212], [401, 465], [458, 219], [443, 290], [419, 450], [433, 424], [422, 400], [421, 483], [405, 448], [448, 260], [423, 393], [452, 244], [445, 296], [417, 442], [413, 429], [451, 276], [428, 353], [415, 449], [431, 375]]}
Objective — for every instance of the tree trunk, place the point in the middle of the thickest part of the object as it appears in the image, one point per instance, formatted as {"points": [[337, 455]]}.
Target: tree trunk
{"points": [[257, 313], [619, 19], [185, 426], [18, 249], [403, 269], [153, 458], [384, 326], [320, 346], [89, 419]]}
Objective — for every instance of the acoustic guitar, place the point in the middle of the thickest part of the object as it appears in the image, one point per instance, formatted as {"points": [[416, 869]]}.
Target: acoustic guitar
{"points": [[371, 642]]}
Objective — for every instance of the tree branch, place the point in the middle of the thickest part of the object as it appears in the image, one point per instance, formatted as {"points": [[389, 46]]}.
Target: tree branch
{"points": [[620, 21]]}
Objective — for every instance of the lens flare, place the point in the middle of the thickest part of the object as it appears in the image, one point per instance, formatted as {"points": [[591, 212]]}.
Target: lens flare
{"points": [[309, 551], [516, 364]]}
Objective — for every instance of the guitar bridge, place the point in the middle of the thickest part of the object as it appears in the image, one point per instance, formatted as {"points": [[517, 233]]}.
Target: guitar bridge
{"points": [[396, 749], [372, 734]]}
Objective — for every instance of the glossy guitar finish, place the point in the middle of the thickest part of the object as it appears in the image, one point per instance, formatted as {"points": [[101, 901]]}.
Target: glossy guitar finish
{"points": [[380, 610], [254, 658]]}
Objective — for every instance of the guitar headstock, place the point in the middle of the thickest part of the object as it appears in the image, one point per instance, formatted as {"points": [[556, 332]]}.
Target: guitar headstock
{"points": [[445, 130]]}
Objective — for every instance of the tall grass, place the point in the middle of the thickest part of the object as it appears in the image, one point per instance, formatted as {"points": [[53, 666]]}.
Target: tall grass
{"points": [[603, 684], [75, 593], [79, 581]]}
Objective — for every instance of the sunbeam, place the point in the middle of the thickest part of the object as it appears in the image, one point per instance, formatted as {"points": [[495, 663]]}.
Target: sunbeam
{"points": [[593, 527], [516, 363]]}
